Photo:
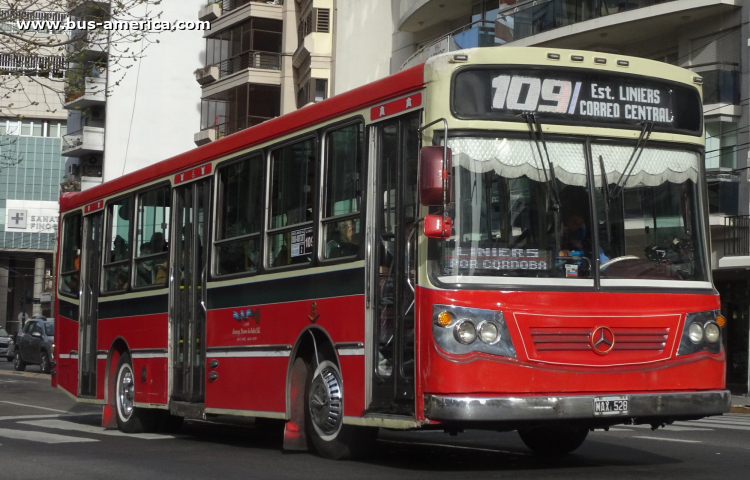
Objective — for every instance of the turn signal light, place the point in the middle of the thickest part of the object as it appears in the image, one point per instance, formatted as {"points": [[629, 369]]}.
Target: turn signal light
{"points": [[721, 321], [444, 319]]}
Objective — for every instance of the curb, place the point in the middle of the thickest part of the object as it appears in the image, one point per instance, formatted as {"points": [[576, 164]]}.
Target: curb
{"points": [[740, 409]]}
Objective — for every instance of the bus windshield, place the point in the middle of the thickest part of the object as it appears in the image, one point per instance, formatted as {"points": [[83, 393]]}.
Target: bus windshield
{"points": [[518, 214]]}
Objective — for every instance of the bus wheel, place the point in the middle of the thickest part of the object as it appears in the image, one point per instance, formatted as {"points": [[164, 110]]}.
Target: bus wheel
{"points": [[130, 419], [553, 440], [324, 415]]}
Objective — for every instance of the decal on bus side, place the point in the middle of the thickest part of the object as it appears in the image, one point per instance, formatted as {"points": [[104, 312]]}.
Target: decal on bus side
{"points": [[396, 106], [193, 174]]}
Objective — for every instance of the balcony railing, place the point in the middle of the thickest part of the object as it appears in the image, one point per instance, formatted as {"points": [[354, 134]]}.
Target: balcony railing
{"points": [[233, 126], [737, 236], [229, 5], [252, 59], [32, 66], [523, 20]]}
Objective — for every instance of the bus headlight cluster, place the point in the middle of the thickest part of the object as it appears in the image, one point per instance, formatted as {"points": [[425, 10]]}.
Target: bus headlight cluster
{"points": [[702, 331], [462, 330]]}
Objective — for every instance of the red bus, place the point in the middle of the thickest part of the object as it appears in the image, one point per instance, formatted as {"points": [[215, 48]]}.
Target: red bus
{"points": [[505, 239]]}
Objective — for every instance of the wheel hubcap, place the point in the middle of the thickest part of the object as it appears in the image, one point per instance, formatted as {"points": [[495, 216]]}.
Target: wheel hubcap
{"points": [[126, 393], [325, 401]]}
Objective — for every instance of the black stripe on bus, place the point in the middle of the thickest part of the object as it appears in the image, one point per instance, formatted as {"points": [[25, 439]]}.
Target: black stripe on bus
{"points": [[132, 307], [68, 310], [339, 283]]}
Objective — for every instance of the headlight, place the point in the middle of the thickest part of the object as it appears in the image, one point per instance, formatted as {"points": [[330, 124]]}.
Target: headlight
{"points": [[465, 332], [712, 332], [456, 330], [488, 332], [701, 332], [695, 332]]}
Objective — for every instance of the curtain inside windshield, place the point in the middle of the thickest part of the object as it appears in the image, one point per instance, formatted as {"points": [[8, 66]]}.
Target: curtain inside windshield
{"points": [[520, 213]]}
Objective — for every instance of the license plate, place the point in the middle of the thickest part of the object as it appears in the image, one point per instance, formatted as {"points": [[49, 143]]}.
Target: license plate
{"points": [[611, 405]]}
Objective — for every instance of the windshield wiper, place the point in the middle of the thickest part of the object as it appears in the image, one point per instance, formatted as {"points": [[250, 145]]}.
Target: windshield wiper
{"points": [[538, 136], [605, 193], [648, 127]]}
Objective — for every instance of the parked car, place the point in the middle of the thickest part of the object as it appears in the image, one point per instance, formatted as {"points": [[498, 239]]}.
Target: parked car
{"points": [[34, 344], [6, 344]]}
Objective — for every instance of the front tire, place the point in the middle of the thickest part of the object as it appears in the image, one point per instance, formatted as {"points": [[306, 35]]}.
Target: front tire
{"points": [[553, 440], [324, 417], [130, 419], [18, 362], [44, 362]]}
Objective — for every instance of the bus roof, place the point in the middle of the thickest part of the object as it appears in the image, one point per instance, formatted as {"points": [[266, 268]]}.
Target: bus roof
{"points": [[347, 102]]}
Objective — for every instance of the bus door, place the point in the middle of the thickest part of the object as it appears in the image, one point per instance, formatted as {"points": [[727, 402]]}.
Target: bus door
{"points": [[92, 260], [394, 266], [188, 290]]}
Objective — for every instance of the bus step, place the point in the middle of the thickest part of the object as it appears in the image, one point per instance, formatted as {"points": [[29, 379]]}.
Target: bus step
{"points": [[193, 411]]}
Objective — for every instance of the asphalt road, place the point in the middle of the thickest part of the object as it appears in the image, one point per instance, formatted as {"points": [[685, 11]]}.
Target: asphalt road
{"points": [[44, 434]]}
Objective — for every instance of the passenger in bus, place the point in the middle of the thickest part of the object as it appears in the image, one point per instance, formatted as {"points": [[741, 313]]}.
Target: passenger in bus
{"points": [[144, 268], [344, 242], [120, 250], [121, 280]]}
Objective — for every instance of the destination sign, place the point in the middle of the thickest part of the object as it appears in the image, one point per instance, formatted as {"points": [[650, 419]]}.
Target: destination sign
{"points": [[498, 258], [565, 96]]}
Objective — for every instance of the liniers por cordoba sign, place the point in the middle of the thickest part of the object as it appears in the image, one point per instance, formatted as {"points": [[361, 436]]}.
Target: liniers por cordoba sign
{"points": [[31, 216]]}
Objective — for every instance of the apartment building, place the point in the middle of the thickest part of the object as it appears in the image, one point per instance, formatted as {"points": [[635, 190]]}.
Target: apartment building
{"points": [[32, 124], [263, 58], [131, 102]]}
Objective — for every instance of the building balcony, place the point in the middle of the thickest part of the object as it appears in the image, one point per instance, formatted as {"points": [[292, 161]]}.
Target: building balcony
{"points": [[79, 8], [221, 130], [88, 46], [251, 59], [89, 140], [736, 242], [237, 11], [93, 92], [258, 68], [604, 25]]}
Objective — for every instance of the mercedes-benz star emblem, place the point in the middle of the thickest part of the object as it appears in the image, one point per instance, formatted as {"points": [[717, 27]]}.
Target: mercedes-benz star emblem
{"points": [[602, 340]]}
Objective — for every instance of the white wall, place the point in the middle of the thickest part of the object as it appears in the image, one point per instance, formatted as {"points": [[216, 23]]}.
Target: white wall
{"points": [[155, 110], [363, 36]]}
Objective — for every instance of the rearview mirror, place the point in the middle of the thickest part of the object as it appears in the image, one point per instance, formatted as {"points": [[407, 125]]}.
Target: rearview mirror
{"points": [[437, 227], [431, 176]]}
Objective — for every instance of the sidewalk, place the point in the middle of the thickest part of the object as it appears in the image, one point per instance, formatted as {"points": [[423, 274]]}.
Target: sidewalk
{"points": [[740, 404]]}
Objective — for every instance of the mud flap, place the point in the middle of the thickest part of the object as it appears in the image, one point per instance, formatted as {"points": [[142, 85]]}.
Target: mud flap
{"points": [[295, 438]]}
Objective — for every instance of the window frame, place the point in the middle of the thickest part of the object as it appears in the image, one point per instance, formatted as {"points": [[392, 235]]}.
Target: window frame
{"points": [[60, 273], [322, 220], [267, 230], [218, 193], [133, 256], [108, 239]]}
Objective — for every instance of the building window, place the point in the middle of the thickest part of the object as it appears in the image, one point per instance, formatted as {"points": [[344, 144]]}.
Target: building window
{"points": [[721, 145], [33, 128], [314, 90], [239, 108], [252, 44]]}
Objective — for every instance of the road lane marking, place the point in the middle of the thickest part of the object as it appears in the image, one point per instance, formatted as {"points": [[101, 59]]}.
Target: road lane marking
{"points": [[669, 439], [42, 437], [722, 426], [61, 415], [673, 428], [78, 427], [33, 406]]}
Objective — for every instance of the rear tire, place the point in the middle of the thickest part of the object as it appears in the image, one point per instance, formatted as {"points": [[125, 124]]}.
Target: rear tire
{"points": [[130, 419], [553, 440], [44, 362], [18, 362], [324, 417]]}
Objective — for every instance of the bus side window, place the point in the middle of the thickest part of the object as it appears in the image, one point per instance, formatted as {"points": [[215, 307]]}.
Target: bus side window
{"points": [[292, 192], [119, 241], [240, 215], [341, 219], [70, 267], [152, 234]]}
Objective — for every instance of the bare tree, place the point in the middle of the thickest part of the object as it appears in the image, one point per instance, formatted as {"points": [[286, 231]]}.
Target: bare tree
{"points": [[58, 44]]}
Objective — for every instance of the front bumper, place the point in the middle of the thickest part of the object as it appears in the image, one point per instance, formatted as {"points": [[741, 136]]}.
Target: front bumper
{"points": [[579, 407]]}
